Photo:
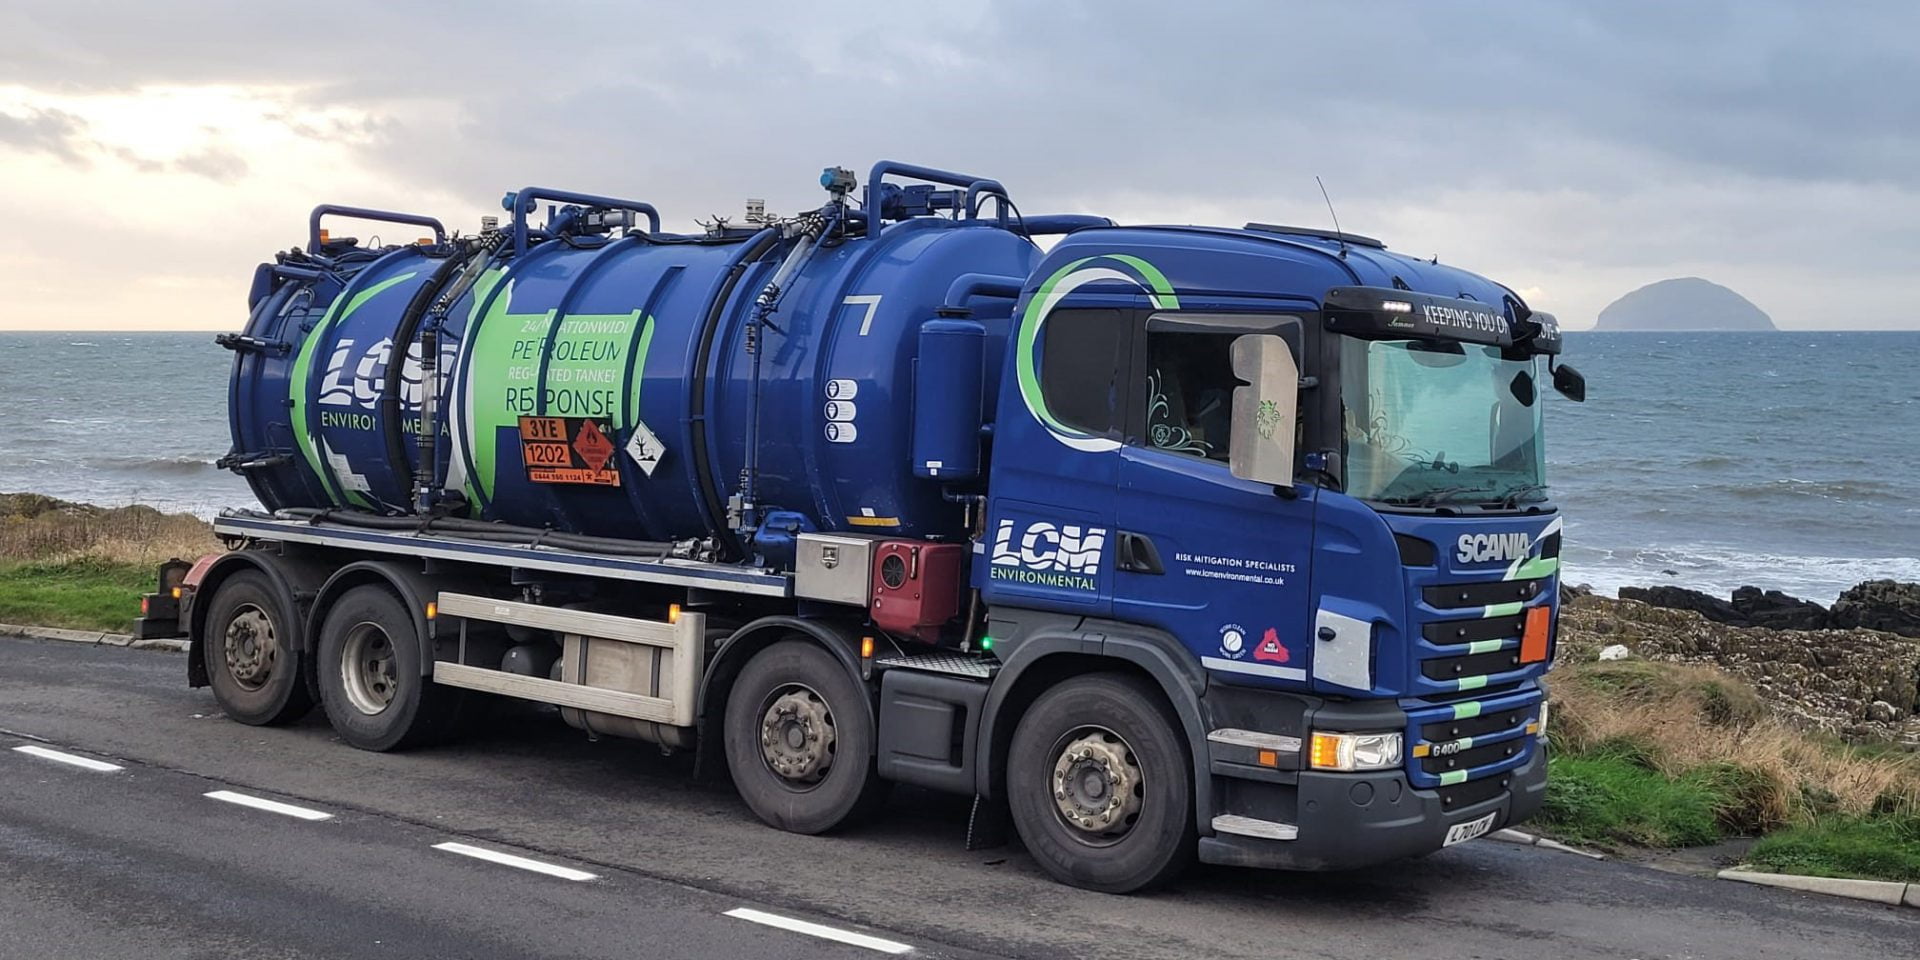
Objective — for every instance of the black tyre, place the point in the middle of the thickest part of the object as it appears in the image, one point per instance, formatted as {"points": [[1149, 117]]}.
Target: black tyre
{"points": [[799, 740], [370, 683], [1101, 785], [254, 673]]}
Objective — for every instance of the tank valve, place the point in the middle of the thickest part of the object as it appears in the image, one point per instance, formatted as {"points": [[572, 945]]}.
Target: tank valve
{"points": [[838, 181]]}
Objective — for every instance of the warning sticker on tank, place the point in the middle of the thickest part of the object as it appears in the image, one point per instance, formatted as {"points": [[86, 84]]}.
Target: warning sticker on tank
{"points": [[568, 450], [645, 448]]}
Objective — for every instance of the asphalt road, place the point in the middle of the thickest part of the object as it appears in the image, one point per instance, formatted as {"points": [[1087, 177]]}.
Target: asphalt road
{"points": [[139, 862]]}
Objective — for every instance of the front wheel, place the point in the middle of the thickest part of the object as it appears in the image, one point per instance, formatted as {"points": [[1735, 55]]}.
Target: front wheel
{"points": [[371, 680], [800, 740], [1101, 785]]}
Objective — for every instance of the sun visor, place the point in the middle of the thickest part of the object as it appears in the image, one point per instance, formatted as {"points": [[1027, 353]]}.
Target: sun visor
{"points": [[1383, 313]]}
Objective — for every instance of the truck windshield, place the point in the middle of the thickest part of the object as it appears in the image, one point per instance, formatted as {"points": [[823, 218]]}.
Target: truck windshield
{"points": [[1428, 423]]}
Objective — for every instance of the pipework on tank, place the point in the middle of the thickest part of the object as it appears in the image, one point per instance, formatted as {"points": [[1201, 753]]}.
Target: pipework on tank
{"points": [[743, 508]]}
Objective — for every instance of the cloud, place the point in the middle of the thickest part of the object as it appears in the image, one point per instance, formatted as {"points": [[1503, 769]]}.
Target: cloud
{"points": [[214, 162], [53, 132], [1581, 149]]}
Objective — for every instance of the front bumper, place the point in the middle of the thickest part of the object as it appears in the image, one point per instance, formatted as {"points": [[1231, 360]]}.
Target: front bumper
{"points": [[1348, 820]]}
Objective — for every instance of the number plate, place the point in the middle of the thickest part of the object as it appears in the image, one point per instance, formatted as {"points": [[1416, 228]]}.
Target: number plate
{"points": [[1462, 832]]}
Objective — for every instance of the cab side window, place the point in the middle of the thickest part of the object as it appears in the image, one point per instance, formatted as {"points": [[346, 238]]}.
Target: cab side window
{"points": [[1188, 392], [1083, 364]]}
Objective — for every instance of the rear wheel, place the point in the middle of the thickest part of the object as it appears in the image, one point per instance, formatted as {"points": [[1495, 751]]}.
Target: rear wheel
{"points": [[254, 673], [1101, 786], [370, 675], [800, 741]]}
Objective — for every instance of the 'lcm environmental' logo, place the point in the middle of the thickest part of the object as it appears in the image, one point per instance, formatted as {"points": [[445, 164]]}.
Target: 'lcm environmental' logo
{"points": [[1047, 554]]}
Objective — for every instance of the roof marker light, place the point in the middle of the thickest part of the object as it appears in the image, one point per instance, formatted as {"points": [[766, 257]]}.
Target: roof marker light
{"points": [[1396, 306]]}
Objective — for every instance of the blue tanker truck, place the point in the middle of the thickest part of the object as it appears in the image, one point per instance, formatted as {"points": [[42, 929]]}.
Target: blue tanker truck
{"points": [[1162, 542]]}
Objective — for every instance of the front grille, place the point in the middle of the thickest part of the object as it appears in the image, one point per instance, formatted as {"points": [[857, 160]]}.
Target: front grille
{"points": [[1500, 716], [1466, 687], [1467, 631], [1481, 726], [1472, 792], [1474, 756], [1482, 692], [1455, 595], [1473, 665]]}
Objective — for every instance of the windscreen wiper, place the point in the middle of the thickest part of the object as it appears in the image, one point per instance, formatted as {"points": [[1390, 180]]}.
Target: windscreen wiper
{"points": [[1436, 497], [1511, 498]]}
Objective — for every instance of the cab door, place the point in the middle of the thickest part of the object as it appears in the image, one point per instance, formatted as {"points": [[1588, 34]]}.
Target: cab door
{"points": [[1048, 543], [1219, 562]]}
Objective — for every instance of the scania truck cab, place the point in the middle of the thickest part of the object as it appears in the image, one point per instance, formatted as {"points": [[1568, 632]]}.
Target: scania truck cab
{"points": [[1301, 479], [1164, 543]]}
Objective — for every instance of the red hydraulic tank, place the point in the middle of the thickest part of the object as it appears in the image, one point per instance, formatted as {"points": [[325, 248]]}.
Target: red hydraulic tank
{"points": [[917, 586]]}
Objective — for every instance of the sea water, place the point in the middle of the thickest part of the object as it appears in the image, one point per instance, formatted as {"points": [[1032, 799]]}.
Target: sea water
{"points": [[1785, 460]]}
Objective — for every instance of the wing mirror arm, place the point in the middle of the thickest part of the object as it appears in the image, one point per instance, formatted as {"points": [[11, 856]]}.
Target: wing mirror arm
{"points": [[1567, 381]]}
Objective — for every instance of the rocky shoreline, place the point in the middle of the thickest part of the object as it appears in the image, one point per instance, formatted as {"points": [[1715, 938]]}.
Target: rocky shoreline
{"points": [[1852, 670]]}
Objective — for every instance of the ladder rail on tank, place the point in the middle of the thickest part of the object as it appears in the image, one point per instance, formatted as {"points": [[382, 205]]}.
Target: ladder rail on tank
{"points": [[669, 571]]}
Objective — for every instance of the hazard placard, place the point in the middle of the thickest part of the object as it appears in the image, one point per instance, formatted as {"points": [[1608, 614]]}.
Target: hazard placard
{"points": [[568, 450]]}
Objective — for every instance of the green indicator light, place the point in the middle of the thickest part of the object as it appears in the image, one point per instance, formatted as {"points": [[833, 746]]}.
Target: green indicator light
{"points": [[986, 643]]}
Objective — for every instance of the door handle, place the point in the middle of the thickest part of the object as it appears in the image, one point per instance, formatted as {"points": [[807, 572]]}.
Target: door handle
{"points": [[1135, 553]]}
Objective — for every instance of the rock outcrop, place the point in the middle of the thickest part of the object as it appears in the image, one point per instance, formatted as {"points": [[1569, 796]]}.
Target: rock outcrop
{"points": [[1880, 605], [1857, 683], [1680, 598], [1874, 605], [1779, 611]]}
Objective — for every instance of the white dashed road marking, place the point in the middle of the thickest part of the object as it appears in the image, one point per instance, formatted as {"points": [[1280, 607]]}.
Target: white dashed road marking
{"points": [[84, 763], [271, 806], [818, 930], [508, 859]]}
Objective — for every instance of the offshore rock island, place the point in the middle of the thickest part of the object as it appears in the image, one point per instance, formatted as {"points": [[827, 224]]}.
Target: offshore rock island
{"points": [[1683, 304]]}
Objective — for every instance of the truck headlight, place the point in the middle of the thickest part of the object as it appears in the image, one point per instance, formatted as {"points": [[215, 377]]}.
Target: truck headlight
{"points": [[1539, 727], [1355, 751]]}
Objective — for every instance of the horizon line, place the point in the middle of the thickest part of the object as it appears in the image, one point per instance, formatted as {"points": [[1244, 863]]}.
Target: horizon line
{"points": [[1563, 329]]}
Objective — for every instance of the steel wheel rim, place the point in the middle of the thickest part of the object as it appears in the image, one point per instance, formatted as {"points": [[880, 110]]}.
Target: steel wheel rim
{"points": [[797, 736], [1096, 784], [367, 668], [250, 646]]}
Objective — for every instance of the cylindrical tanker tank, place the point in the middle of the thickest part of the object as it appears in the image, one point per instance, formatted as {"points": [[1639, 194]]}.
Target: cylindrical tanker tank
{"points": [[623, 367], [310, 379]]}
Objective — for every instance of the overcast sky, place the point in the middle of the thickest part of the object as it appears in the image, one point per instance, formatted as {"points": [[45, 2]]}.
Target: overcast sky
{"points": [[152, 153]]}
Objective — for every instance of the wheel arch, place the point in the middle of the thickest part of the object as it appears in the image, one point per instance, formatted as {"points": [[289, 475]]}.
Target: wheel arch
{"points": [[840, 639], [414, 588], [1051, 655], [293, 579]]}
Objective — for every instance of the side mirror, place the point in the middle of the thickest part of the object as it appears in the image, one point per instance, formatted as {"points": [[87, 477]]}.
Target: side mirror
{"points": [[1569, 383], [1260, 443]]}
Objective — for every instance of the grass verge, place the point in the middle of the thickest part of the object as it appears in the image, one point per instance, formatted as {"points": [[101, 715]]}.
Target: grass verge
{"points": [[79, 594], [84, 567], [1669, 755], [1877, 848], [1605, 800]]}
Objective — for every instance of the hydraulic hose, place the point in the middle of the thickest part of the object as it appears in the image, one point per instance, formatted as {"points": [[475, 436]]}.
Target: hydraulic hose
{"points": [[465, 529], [403, 336], [757, 247]]}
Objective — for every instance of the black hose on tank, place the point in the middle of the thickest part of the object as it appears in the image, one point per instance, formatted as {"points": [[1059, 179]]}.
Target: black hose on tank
{"points": [[463, 528], [403, 334], [757, 247]]}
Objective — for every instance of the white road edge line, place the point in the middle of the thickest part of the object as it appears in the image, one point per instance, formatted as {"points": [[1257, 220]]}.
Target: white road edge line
{"points": [[508, 859], [84, 763], [271, 806], [817, 930]]}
